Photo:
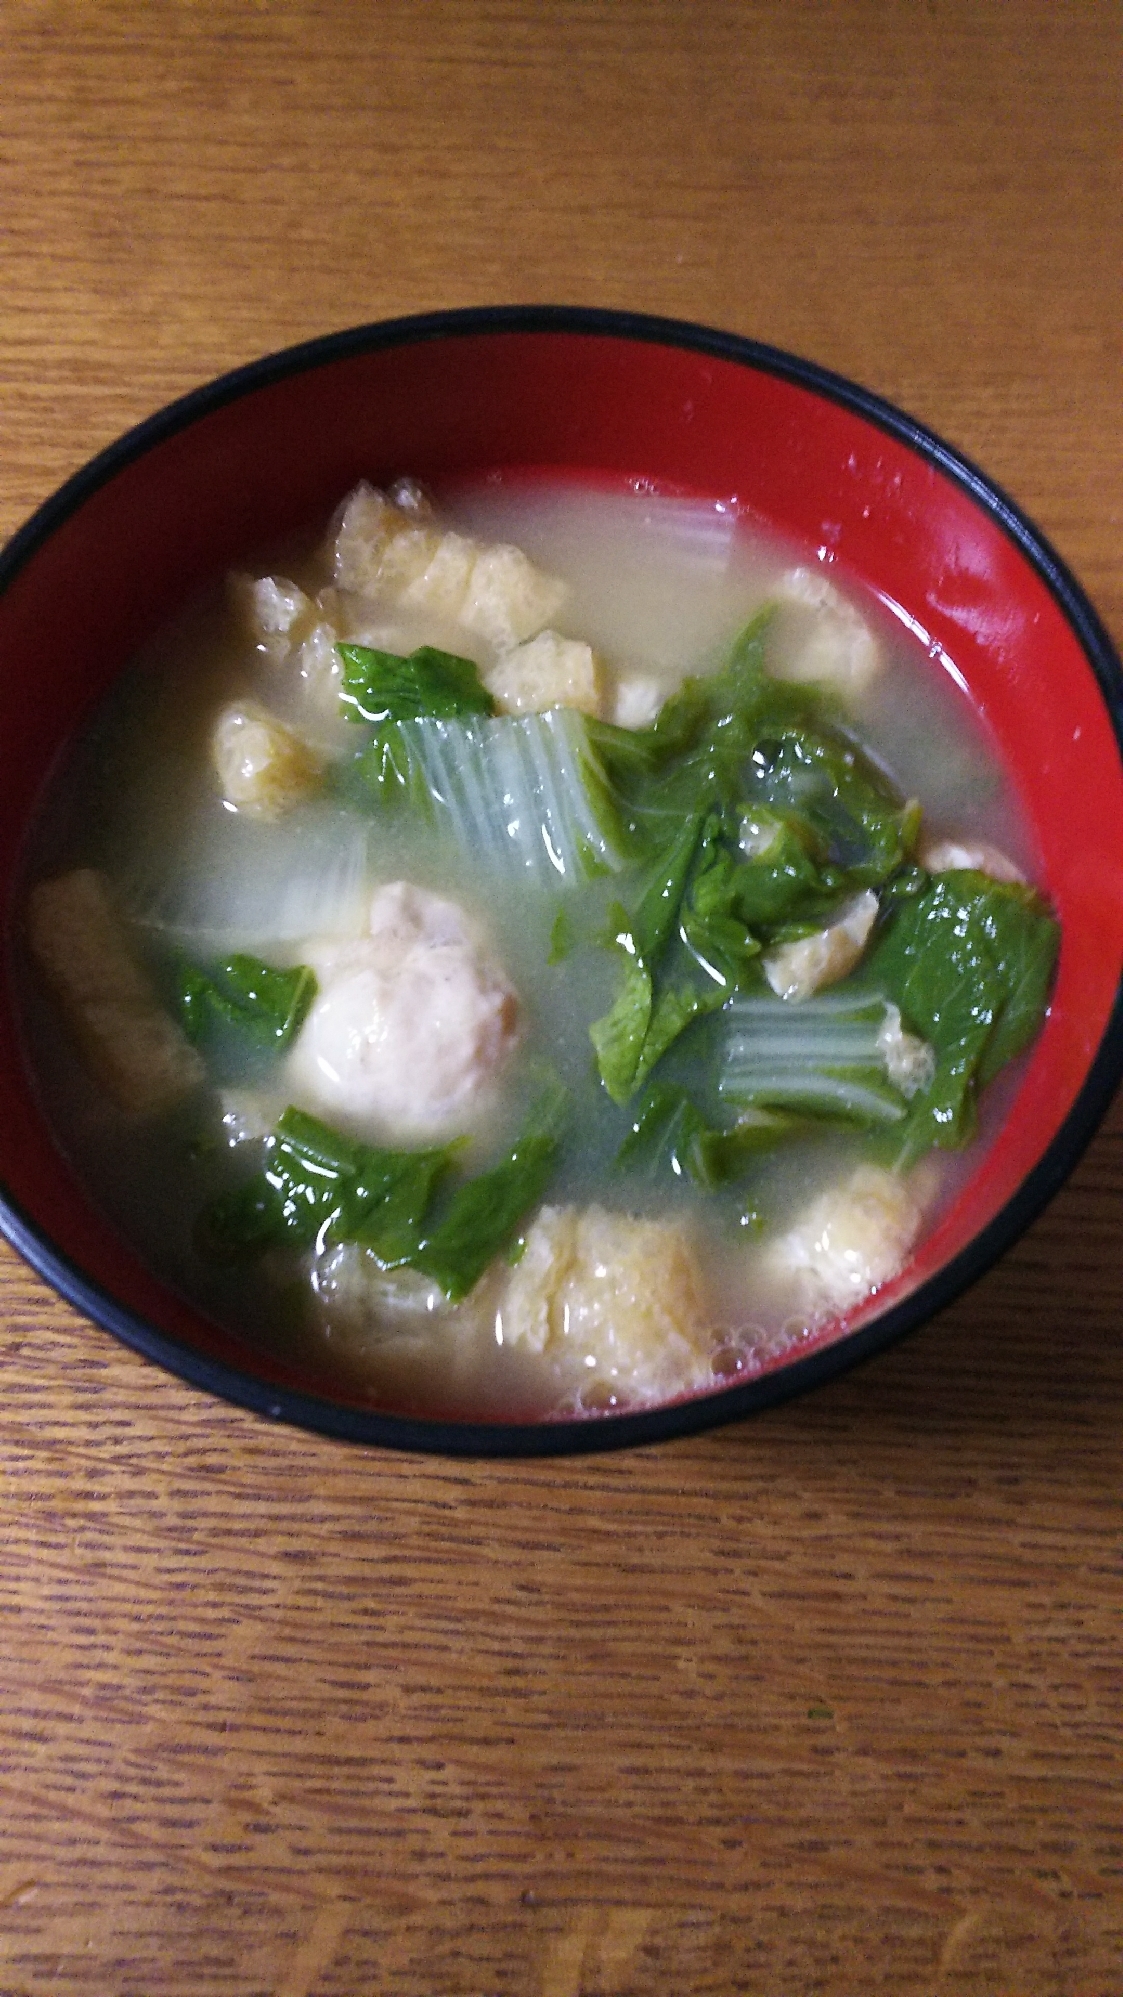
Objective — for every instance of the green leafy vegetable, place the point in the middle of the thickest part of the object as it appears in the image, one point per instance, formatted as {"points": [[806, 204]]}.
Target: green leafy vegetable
{"points": [[694, 750], [384, 686], [969, 961], [641, 1025], [661, 898], [484, 1213], [761, 820], [777, 871], [316, 1183], [317, 1186], [263, 1006], [563, 937], [675, 1008], [865, 831], [670, 1131], [619, 1036]]}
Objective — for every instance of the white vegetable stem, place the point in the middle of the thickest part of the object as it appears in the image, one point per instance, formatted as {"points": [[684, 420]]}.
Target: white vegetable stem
{"points": [[521, 791]]}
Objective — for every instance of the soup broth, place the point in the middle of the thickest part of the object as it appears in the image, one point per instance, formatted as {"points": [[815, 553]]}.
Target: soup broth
{"points": [[502, 898]]}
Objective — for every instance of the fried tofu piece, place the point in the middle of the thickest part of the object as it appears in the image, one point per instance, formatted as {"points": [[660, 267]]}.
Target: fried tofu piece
{"points": [[638, 700], [910, 1062], [406, 558], [508, 598], [388, 549], [397, 1333], [262, 766], [275, 612], [365, 527], [319, 670], [441, 587], [81, 948], [795, 970], [847, 1243], [352, 1288], [617, 1303], [946, 856], [544, 672], [833, 645]]}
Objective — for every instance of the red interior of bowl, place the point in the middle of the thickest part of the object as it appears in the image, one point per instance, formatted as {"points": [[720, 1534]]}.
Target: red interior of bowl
{"points": [[279, 457]]}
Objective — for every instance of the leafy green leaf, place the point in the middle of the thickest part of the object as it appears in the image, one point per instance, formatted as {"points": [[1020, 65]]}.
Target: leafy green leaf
{"points": [[1025, 939], [620, 1034], [712, 921], [317, 1182], [385, 686], [640, 1025], [263, 1006], [761, 819], [391, 766], [969, 961], [319, 1186], [659, 902], [563, 937], [670, 1132], [384, 1207], [675, 1008], [485, 1212], [864, 828], [701, 704], [776, 872]]}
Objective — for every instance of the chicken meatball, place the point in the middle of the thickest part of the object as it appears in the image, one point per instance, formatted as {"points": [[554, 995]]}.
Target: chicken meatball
{"points": [[412, 1024]]}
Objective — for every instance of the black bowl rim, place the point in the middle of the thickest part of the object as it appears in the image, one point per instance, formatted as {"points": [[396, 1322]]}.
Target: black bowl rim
{"points": [[732, 1402]]}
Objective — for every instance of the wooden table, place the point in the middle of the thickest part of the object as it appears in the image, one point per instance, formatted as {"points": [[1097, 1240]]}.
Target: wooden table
{"points": [[826, 1703]]}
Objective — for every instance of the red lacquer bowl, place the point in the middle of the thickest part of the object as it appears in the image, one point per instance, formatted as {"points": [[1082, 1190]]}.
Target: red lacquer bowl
{"points": [[264, 451]]}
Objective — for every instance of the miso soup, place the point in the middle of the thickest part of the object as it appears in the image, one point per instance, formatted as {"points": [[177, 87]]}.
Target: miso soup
{"points": [[532, 954]]}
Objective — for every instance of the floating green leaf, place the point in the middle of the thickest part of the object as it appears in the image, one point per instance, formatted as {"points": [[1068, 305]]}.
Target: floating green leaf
{"points": [[969, 961], [317, 1187], [385, 686], [263, 1006]]}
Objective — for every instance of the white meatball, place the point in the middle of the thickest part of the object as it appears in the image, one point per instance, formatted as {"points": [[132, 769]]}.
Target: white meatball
{"points": [[411, 1025]]}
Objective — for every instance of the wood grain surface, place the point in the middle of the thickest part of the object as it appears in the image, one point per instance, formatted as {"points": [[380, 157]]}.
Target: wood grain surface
{"points": [[826, 1703]]}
